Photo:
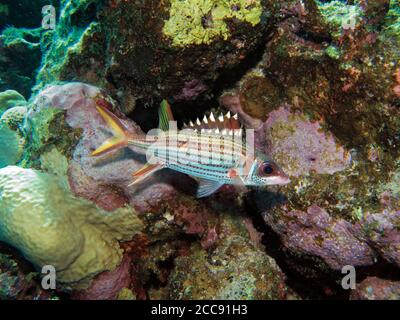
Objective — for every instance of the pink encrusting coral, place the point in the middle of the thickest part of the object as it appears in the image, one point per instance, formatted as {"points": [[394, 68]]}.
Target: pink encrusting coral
{"points": [[295, 142], [304, 143], [107, 285], [191, 90], [103, 180]]}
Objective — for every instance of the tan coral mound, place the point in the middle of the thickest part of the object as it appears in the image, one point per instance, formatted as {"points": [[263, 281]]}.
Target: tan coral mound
{"points": [[50, 226]]}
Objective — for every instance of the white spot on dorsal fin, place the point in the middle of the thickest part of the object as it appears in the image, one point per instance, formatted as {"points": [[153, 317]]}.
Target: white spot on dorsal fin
{"points": [[221, 118], [238, 132], [184, 124], [198, 122], [228, 115], [235, 116], [205, 120], [202, 130], [217, 130], [224, 132], [231, 132], [210, 131], [211, 117], [191, 124]]}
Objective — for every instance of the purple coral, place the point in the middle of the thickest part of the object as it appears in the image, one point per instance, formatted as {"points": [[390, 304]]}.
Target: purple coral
{"points": [[191, 90], [315, 233], [298, 144], [306, 146]]}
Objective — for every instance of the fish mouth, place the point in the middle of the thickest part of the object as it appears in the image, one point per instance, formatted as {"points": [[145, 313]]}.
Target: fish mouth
{"points": [[283, 180]]}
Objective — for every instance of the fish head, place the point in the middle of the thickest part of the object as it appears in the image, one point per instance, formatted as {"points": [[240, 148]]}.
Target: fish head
{"points": [[266, 172]]}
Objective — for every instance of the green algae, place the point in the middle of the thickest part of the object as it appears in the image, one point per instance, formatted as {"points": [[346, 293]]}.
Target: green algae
{"points": [[45, 130], [333, 52], [202, 21], [66, 41], [4, 9], [392, 20], [10, 99], [13, 35], [338, 13]]}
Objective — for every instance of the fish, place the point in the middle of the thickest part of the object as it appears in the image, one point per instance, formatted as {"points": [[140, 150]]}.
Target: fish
{"points": [[211, 150]]}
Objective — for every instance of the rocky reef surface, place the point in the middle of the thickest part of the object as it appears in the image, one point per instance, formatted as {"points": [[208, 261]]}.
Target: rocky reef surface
{"points": [[318, 81]]}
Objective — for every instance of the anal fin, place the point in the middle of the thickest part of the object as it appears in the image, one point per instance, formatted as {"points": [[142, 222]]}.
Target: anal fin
{"points": [[207, 187], [144, 172]]}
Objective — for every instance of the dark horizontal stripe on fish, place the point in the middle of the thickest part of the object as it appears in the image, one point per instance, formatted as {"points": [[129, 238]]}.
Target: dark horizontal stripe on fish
{"points": [[207, 163]]}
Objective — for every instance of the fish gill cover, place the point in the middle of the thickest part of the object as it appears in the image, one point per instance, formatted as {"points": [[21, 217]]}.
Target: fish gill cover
{"points": [[315, 83]]}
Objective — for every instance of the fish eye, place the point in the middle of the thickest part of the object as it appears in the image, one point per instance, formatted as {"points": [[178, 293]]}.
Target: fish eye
{"points": [[267, 169]]}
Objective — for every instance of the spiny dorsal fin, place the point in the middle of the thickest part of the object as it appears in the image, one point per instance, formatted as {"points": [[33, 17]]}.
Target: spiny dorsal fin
{"points": [[165, 115], [227, 124]]}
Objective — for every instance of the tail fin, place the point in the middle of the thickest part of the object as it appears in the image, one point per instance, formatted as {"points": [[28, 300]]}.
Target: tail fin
{"points": [[120, 138]]}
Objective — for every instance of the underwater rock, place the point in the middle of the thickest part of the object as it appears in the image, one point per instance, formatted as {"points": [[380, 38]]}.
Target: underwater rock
{"points": [[16, 283], [20, 55], [107, 285], [315, 233], [182, 46], [373, 288], [382, 230], [9, 99], [55, 215], [235, 269]]}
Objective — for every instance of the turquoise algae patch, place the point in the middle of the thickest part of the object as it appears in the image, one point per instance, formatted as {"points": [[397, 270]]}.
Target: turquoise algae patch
{"points": [[202, 21], [392, 20]]}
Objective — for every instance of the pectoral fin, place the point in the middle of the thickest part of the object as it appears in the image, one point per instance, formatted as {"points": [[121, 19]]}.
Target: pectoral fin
{"points": [[144, 172], [207, 187]]}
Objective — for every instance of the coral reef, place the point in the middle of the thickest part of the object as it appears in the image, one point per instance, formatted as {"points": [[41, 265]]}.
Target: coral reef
{"points": [[318, 81], [330, 120], [168, 43], [235, 269]]}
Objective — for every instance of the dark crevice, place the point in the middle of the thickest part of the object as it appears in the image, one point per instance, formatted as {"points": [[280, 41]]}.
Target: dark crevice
{"points": [[322, 286], [146, 115], [314, 37]]}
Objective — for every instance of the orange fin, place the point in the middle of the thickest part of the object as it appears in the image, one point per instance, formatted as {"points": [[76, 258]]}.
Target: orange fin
{"points": [[144, 172], [120, 133]]}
